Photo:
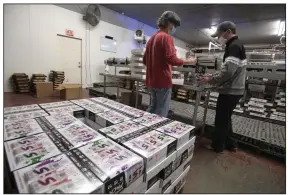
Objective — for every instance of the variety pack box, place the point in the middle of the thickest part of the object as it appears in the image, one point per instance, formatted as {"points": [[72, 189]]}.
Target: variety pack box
{"points": [[30, 150], [56, 104], [152, 120], [59, 174], [76, 135], [81, 102], [116, 166], [172, 171], [155, 188], [24, 115], [134, 112], [77, 111], [125, 131], [181, 131], [113, 104], [158, 172], [100, 100], [23, 128], [17, 109], [57, 121], [153, 147], [105, 119], [176, 186]]}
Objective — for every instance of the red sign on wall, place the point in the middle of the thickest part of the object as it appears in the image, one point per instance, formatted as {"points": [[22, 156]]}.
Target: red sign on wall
{"points": [[69, 33]]}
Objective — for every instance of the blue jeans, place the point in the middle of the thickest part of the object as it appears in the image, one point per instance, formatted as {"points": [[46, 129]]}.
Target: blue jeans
{"points": [[160, 101]]}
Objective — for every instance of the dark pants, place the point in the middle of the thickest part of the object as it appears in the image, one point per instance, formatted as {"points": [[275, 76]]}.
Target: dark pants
{"points": [[223, 123]]}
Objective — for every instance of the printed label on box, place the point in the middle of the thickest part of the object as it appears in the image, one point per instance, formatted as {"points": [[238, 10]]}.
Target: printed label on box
{"points": [[77, 134], [110, 159], [24, 115], [23, 128], [29, 150], [60, 174], [150, 119]]}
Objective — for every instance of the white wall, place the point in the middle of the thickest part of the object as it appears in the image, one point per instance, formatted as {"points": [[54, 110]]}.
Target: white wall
{"points": [[30, 40]]}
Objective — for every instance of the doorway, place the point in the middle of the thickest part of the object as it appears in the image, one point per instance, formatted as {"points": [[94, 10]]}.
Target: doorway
{"points": [[70, 58]]}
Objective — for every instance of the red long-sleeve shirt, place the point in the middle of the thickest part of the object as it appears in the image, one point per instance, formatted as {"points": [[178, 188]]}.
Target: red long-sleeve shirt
{"points": [[159, 57]]}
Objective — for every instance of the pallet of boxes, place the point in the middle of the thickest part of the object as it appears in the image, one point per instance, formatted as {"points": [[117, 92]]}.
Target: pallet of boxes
{"points": [[116, 149]]}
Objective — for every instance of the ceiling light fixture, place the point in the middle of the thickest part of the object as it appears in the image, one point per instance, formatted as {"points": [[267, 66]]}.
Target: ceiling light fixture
{"points": [[281, 28], [212, 30]]}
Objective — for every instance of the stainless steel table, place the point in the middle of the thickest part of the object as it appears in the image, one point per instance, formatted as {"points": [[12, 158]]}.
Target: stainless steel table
{"points": [[197, 89]]}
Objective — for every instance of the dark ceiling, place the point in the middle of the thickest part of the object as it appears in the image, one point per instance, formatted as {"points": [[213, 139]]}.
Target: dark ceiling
{"points": [[256, 23]]}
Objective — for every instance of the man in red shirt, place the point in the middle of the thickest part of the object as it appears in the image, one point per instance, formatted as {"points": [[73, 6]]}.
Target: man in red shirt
{"points": [[159, 57]]}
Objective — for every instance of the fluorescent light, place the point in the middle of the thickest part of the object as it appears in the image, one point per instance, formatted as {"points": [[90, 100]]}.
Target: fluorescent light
{"points": [[281, 28], [212, 30]]}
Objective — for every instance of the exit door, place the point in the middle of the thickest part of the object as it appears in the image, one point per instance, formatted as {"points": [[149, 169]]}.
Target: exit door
{"points": [[69, 58]]}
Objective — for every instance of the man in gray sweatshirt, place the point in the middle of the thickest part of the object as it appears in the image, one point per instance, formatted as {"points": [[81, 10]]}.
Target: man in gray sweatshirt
{"points": [[230, 81]]}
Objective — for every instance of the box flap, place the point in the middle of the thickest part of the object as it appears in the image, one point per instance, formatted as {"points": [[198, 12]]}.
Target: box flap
{"points": [[67, 86]]}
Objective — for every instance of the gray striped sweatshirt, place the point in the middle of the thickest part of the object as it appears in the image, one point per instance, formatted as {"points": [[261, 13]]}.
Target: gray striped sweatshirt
{"points": [[232, 76]]}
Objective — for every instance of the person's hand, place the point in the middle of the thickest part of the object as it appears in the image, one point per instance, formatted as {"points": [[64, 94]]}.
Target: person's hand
{"points": [[205, 79], [190, 60]]}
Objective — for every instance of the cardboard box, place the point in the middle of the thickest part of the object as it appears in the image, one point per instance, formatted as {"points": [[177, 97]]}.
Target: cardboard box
{"points": [[176, 171], [113, 105], [70, 91], [81, 102], [77, 111], [79, 179], [153, 146], [100, 100], [106, 119], [30, 150], [154, 189], [76, 134], [19, 129], [17, 109], [181, 131], [125, 131], [44, 89], [157, 172], [116, 166], [24, 115], [133, 112], [56, 104], [57, 121], [134, 188], [175, 187], [152, 121]]}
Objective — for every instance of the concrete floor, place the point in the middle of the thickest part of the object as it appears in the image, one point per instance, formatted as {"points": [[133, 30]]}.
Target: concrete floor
{"points": [[241, 172]]}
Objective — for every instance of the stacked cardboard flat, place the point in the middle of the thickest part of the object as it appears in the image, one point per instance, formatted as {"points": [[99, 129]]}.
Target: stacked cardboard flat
{"points": [[57, 77], [35, 79], [20, 82]]}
